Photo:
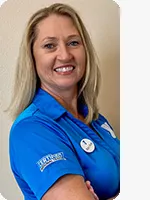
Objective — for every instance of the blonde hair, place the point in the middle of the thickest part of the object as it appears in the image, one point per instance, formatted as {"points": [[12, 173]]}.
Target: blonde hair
{"points": [[26, 79]]}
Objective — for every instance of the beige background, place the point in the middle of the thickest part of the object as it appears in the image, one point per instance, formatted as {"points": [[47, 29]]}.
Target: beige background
{"points": [[101, 18]]}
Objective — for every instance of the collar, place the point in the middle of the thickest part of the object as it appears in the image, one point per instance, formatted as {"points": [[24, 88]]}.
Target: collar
{"points": [[48, 105]]}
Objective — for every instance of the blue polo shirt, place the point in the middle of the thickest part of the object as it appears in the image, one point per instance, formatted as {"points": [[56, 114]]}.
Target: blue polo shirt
{"points": [[47, 142]]}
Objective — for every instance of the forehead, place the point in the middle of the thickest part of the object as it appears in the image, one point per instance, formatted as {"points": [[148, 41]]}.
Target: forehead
{"points": [[55, 26]]}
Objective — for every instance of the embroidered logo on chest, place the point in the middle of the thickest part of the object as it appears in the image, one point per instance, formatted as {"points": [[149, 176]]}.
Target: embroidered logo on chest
{"points": [[107, 127]]}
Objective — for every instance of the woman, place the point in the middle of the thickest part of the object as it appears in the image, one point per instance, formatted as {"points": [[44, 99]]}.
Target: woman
{"points": [[59, 142]]}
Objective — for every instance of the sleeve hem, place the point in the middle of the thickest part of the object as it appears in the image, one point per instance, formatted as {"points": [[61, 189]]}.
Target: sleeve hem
{"points": [[44, 188]]}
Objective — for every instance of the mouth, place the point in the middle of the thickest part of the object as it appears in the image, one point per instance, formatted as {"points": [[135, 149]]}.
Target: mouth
{"points": [[63, 69]]}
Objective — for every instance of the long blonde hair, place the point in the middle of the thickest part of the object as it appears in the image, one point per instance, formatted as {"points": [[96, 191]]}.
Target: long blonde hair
{"points": [[26, 79]]}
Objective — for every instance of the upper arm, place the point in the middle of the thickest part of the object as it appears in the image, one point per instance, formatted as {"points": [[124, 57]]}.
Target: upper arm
{"points": [[70, 187], [41, 157]]}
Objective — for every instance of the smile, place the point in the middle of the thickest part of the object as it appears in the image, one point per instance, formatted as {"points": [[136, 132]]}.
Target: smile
{"points": [[64, 69]]}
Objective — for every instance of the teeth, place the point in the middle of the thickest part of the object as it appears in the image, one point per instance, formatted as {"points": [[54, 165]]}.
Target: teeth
{"points": [[64, 69]]}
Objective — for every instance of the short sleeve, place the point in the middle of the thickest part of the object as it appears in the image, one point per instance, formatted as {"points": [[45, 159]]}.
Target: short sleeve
{"points": [[41, 155]]}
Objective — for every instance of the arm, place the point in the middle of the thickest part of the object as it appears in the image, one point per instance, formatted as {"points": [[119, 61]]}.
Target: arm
{"points": [[90, 188], [70, 187], [54, 179]]}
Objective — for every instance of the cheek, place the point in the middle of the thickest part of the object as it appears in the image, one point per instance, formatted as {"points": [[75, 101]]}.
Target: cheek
{"points": [[44, 64]]}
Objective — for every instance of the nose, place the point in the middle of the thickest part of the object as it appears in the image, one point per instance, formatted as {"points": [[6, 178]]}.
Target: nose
{"points": [[64, 53]]}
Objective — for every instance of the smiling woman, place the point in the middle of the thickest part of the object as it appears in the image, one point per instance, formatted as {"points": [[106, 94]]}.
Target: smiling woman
{"points": [[59, 141], [60, 60]]}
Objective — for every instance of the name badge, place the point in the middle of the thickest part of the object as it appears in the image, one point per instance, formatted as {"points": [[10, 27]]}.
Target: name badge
{"points": [[87, 145]]}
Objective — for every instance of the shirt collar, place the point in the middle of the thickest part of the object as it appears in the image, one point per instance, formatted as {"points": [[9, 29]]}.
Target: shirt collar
{"points": [[48, 105]]}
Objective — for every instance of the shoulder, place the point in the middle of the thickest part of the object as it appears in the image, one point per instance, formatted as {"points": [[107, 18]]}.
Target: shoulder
{"points": [[25, 115], [33, 125]]}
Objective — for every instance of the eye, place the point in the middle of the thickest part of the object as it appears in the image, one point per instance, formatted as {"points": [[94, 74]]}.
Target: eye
{"points": [[73, 43], [49, 46]]}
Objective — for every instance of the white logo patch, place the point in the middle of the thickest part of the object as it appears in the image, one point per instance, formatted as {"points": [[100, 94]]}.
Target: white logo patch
{"points": [[49, 159], [87, 145], [107, 127]]}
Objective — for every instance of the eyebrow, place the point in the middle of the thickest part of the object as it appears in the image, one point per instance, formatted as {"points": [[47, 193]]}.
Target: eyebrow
{"points": [[69, 37], [50, 38], [73, 36]]}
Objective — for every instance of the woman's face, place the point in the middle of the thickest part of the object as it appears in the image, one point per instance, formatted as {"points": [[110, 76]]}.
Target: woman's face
{"points": [[59, 54]]}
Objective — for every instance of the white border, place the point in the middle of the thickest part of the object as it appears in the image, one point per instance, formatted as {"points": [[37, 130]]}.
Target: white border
{"points": [[1, 197], [135, 101], [117, 1], [2, 1]]}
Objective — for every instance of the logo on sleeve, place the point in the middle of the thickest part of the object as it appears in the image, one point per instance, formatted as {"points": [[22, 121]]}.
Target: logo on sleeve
{"points": [[107, 127], [49, 159]]}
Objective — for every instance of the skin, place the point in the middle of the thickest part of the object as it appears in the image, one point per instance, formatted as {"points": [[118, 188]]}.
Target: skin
{"points": [[90, 188]]}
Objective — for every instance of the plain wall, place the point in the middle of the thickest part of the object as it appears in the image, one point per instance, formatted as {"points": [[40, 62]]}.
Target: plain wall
{"points": [[101, 18]]}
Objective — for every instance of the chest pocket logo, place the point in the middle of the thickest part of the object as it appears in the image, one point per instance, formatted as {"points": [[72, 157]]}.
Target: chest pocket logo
{"points": [[107, 127], [87, 145]]}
